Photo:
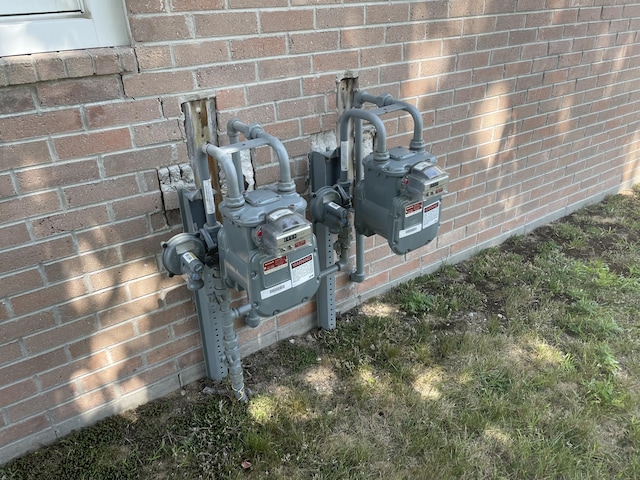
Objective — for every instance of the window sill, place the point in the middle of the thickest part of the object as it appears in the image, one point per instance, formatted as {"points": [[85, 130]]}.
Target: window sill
{"points": [[41, 67]]}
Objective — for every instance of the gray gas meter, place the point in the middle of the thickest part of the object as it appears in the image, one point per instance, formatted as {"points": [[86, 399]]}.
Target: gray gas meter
{"points": [[400, 198], [268, 248]]}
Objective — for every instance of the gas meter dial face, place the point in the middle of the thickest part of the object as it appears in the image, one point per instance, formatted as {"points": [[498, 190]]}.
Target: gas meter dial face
{"points": [[285, 231]]}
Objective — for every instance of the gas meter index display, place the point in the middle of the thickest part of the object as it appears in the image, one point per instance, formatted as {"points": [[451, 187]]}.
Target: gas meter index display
{"points": [[285, 231]]}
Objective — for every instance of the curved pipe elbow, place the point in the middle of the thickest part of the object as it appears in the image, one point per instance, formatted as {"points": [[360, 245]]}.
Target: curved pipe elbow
{"points": [[381, 135], [286, 183], [234, 197], [250, 132], [417, 143]]}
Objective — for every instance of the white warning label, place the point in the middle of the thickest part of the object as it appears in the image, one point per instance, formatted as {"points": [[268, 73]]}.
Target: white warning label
{"points": [[431, 214], [302, 270]]}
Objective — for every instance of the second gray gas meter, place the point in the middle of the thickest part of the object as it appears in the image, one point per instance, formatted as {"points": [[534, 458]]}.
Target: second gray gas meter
{"points": [[400, 198], [398, 191], [268, 248]]}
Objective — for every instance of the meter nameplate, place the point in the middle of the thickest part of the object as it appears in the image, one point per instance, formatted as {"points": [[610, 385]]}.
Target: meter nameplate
{"points": [[276, 289], [410, 231], [431, 215], [274, 265], [302, 270], [413, 209]]}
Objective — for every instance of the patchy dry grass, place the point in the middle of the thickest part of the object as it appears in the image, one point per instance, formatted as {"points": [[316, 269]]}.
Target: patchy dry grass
{"points": [[523, 362]]}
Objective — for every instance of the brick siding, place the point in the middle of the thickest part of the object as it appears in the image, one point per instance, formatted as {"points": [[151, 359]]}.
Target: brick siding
{"points": [[531, 106]]}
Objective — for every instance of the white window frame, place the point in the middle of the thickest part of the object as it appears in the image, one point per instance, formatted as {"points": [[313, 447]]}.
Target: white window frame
{"points": [[99, 23]]}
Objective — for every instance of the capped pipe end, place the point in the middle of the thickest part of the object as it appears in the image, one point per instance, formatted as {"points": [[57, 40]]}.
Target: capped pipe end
{"points": [[252, 319], [356, 276]]}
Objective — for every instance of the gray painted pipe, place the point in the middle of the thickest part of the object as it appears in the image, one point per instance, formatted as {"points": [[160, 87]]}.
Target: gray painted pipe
{"points": [[380, 153], [417, 143], [235, 156], [234, 197], [358, 274], [285, 184], [230, 340]]}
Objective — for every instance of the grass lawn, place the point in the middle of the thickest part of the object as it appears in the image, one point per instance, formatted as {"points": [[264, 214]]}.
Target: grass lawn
{"points": [[520, 363]]}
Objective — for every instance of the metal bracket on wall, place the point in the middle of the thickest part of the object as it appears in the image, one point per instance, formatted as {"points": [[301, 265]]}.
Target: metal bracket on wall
{"points": [[324, 170], [209, 316], [200, 128]]}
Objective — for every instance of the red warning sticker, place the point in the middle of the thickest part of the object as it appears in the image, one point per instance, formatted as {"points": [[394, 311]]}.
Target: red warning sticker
{"points": [[275, 264], [302, 261], [412, 209]]}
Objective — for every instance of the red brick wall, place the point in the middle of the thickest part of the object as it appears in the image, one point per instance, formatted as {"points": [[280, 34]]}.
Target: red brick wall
{"points": [[532, 107]]}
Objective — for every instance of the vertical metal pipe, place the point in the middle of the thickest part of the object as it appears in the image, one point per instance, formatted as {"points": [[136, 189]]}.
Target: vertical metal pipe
{"points": [[230, 340], [235, 156], [358, 274]]}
